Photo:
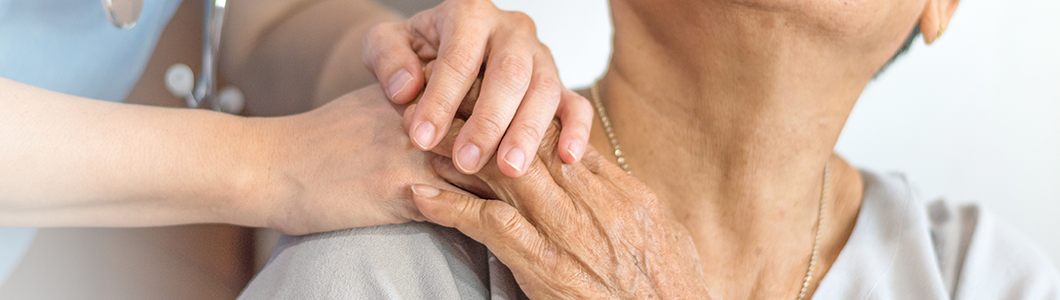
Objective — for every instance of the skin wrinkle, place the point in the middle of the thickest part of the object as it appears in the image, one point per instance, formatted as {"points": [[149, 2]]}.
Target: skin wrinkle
{"points": [[588, 270], [601, 229], [624, 273], [608, 241], [604, 270], [642, 260]]}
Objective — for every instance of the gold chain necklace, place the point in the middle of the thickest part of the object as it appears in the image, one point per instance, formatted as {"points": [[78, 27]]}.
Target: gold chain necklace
{"points": [[622, 163]]}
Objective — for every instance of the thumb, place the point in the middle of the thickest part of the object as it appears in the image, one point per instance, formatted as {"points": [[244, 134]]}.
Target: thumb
{"points": [[493, 223], [389, 55]]}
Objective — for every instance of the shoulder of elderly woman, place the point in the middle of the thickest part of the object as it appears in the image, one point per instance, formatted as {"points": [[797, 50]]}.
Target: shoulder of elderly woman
{"points": [[982, 256], [905, 248]]}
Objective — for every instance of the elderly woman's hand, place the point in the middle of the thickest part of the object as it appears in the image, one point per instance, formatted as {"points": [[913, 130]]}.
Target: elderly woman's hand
{"points": [[520, 92], [574, 231]]}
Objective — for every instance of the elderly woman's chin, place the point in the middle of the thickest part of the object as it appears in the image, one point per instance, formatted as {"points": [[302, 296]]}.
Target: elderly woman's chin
{"points": [[835, 17]]}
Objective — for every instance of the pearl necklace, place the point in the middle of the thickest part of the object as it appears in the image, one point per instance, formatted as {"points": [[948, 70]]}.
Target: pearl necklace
{"points": [[610, 131]]}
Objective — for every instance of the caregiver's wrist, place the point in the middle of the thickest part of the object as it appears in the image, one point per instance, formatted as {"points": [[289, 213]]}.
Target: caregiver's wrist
{"points": [[252, 186]]}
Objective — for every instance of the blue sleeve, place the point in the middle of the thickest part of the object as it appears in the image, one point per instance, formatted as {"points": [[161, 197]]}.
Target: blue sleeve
{"points": [[71, 47]]}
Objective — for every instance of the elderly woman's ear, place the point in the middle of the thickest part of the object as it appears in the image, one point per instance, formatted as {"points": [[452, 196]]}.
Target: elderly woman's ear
{"points": [[936, 17]]}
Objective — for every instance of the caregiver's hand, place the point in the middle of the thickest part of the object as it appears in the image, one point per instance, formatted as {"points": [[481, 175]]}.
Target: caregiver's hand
{"points": [[575, 231], [67, 161], [346, 164], [520, 91]]}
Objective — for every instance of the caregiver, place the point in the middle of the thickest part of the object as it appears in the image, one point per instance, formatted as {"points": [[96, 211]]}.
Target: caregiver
{"points": [[68, 159]]}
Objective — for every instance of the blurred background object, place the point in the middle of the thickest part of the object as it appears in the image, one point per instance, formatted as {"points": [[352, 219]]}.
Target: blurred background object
{"points": [[973, 117]]}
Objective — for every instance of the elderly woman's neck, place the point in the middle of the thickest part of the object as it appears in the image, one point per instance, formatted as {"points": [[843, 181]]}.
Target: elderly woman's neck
{"points": [[741, 108]]}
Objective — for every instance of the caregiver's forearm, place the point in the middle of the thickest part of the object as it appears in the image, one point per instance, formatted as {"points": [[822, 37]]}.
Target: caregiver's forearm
{"points": [[71, 161]]}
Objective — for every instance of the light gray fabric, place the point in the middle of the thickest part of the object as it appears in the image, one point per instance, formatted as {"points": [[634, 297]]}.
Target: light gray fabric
{"points": [[901, 248], [406, 261]]}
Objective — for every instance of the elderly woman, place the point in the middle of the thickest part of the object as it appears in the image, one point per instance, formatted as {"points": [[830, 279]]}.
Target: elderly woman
{"points": [[718, 181]]}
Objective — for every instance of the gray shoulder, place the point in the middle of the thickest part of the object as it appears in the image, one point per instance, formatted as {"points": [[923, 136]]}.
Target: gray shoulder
{"points": [[981, 257]]}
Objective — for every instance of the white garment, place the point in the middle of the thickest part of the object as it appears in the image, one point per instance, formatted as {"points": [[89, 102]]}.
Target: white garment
{"points": [[901, 248]]}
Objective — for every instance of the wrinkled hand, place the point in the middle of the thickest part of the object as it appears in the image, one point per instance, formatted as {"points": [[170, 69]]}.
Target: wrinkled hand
{"points": [[520, 92], [346, 164], [574, 231]]}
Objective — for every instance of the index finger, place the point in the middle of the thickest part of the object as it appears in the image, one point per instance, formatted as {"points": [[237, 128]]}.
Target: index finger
{"points": [[461, 52]]}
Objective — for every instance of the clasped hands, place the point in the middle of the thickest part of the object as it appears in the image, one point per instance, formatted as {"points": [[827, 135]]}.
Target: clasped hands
{"points": [[567, 227], [568, 224], [584, 230]]}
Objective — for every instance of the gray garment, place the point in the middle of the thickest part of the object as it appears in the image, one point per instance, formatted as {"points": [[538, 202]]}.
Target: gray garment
{"points": [[901, 248], [406, 261]]}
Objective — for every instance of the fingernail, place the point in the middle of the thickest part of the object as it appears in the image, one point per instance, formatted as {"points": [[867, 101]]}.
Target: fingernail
{"points": [[515, 159], [424, 135], [398, 82], [574, 149], [425, 190], [468, 156]]}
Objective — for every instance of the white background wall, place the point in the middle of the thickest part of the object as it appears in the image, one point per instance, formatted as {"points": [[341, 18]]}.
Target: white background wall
{"points": [[974, 117]]}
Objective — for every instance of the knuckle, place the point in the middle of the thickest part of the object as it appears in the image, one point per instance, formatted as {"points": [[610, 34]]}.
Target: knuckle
{"points": [[650, 208], [522, 22], [533, 132], [461, 61], [575, 110], [515, 70], [438, 109], [573, 276], [382, 32], [551, 86], [470, 3], [648, 198], [491, 124], [465, 210], [583, 104], [504, 218], [545, 49], [370, 42], [374, 33], [376, 41], [475, 7]]}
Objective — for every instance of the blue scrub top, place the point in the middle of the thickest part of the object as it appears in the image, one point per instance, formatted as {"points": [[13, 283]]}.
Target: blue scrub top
{"points": [[71, 47]]}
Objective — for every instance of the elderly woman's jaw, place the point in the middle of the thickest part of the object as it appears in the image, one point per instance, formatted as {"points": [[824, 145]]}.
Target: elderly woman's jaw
{"points": [[860, 35]]}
